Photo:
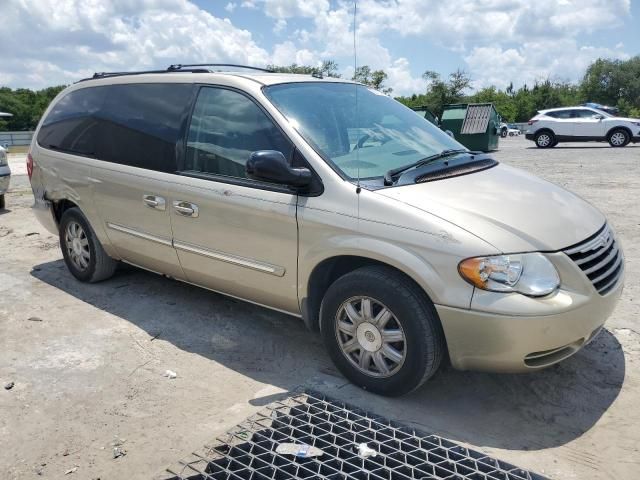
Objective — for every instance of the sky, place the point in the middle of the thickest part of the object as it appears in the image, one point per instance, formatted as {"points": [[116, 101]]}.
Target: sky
{"points": [[52, 42]]}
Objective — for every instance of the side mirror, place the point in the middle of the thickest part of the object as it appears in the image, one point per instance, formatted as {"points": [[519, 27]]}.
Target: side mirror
{"points": [[271, 166], [598, 117]]}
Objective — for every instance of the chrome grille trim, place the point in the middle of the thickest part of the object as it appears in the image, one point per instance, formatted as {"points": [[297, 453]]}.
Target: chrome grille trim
{"points": [[591, 257], [600, 258], [600, 264]]}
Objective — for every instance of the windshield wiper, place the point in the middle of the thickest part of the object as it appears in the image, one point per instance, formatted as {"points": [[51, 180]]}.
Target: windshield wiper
{"points": [[388, 177]]}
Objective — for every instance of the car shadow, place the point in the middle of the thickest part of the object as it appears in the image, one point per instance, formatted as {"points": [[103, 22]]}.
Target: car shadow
{"points": [[538, 410]]}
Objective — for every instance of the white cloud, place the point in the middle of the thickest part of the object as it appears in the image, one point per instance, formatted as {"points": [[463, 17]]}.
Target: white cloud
{"points": [[498, 41], [280, 25], [75, 38], [294, 8], [287, 53], [533, 61], [401, 79]]}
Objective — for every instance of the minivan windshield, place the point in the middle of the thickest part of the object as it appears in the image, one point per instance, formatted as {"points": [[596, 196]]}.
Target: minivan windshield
{"points": [[384, 135]]}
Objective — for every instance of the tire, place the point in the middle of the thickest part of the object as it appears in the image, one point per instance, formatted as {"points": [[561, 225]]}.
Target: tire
{"points": [[2, 202], [83, 254], [619, 138], [412, 329], [545, 139], [503, 133]]}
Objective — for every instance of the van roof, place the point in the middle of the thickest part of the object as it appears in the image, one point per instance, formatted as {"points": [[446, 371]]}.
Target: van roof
{"points": [[205, 72]]}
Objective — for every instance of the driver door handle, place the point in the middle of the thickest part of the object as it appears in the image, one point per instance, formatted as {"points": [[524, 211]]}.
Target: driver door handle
{"points": [[186, 209]]}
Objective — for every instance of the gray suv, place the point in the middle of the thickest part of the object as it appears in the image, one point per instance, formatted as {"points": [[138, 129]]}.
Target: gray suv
{"points": [[329, 201]]}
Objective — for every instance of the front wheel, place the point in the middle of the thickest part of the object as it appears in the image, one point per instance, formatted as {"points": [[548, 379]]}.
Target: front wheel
{"points": [[381, 330], [619, 138], [2, 202], [545, 139]]}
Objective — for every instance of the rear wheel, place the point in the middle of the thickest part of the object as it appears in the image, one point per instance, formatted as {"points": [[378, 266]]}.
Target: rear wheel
{"points": [[545, 139], [619, 138], [83, 254], [381, 331]]}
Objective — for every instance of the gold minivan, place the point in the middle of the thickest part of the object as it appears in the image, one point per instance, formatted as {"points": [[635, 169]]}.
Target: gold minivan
{"points": [[327, 200]]}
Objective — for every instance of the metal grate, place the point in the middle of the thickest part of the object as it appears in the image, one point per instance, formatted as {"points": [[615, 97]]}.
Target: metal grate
{"points": [[600, 259], [477, 118], [248, 451]]}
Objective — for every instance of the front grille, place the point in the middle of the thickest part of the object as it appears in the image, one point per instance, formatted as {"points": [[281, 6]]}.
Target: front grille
{"points": [[600, 259], [248, 451]]}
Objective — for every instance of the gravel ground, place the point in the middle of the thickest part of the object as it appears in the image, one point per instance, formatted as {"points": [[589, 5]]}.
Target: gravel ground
{"points": [[88, 360]]}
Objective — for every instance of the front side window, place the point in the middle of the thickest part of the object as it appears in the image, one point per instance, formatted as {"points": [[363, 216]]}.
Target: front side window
{"points": [[383, 135], [226, 127], [584, 114]]}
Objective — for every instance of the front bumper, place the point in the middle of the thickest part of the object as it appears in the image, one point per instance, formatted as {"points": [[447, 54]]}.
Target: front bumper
{"points": [[541, 333], [5, 179], [529, 136]]}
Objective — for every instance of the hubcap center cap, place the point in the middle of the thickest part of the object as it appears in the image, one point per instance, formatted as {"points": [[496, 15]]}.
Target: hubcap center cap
{"points": [[369, 337]]}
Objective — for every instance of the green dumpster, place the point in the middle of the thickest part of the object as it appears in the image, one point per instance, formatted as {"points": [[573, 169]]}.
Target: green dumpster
{"points": [[475, 125], [425, 113]]}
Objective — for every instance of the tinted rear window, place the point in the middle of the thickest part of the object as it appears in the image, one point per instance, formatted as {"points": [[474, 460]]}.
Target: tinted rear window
{"points": [[136, 124], [141, 124], [72, 124]]}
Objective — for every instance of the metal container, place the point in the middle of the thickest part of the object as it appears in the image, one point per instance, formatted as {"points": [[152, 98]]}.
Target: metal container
{"points": [[475, 125]]}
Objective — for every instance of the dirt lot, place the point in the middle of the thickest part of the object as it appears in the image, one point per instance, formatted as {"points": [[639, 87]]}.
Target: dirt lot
{"points": [[88, 360]]}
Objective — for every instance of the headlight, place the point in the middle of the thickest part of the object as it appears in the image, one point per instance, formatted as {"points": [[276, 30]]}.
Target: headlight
{"points": [[527, 273]]}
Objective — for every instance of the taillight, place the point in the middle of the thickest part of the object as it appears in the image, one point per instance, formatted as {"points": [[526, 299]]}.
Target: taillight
{"points": [[532, 121], [29, 165]]}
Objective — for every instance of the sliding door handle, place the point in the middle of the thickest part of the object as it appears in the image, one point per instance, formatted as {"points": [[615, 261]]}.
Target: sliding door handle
{"points": [[153, 201]]}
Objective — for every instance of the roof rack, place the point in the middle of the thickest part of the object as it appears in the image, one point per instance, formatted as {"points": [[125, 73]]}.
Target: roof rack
{"points": [[179, 66], [189, 68]]}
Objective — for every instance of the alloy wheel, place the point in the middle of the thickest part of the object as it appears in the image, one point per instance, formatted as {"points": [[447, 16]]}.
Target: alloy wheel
{"points": [[370, 336], [77, 244], [544, 140], [618, 139]]}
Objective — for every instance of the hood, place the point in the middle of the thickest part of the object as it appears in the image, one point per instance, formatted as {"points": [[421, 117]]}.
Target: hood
{"points": [[507, 207]]}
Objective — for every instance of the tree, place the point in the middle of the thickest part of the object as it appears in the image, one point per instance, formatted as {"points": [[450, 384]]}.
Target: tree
{"points": [[27, 106], [328, 68], [613, 82], [440, 92], [374, 79]]}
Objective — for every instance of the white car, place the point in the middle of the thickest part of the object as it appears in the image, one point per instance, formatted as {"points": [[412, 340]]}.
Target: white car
{"points": [[5, 175], [581, 124]]}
